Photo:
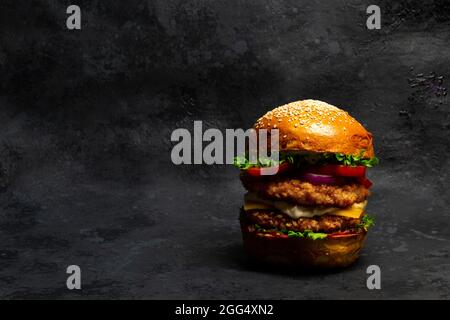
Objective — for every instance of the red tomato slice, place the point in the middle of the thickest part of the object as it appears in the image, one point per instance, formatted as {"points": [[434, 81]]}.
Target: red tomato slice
{"points": [[365, 182], [341, 170], [280, 235], [258, 171], [341, 234]]}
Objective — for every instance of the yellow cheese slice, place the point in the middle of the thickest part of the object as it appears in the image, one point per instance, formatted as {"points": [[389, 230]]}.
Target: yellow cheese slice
{"points": [[355, 211]]}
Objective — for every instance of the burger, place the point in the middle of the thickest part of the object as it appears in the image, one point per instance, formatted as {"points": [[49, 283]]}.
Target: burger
{"points": [[311, 213]]}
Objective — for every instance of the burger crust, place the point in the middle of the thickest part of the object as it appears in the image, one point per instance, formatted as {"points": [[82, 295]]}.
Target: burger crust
{"points": [[328, 253], [316, 126]]}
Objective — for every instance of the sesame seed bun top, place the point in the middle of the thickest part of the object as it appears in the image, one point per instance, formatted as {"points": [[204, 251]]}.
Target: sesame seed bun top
{"points": [[316, 126]]}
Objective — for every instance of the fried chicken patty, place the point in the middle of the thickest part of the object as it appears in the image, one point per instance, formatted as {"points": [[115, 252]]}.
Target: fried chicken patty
{"points": [[272, 219], [305, 193]]}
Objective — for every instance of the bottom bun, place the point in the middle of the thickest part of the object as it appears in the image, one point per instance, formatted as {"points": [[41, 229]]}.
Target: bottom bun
{"points": [[325, 253]]}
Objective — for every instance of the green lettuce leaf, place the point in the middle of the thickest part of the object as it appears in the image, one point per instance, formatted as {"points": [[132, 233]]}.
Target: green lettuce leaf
{"points": [[243, 163], [358, 160], [367, 222], [295, 234], [301, 160], [315, 235]]}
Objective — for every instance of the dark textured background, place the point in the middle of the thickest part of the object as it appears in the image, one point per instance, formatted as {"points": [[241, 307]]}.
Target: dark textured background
{"points": [[86, 118]]}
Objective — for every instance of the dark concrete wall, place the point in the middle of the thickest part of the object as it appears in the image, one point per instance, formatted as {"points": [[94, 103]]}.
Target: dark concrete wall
{"points": [[86, 118]]}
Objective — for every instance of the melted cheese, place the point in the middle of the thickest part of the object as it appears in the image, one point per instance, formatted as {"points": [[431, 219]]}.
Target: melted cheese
{"points": [[354, 211], [252, 201]]}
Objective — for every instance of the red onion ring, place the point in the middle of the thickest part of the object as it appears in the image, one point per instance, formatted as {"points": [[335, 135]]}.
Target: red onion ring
{"points": [[319, 178]]}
